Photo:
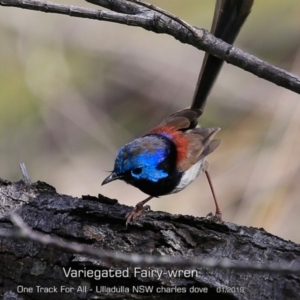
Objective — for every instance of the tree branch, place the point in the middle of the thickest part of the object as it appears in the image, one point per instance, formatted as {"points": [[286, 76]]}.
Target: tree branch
{"points": [[65, 234], [25, 232], [158, 21]]}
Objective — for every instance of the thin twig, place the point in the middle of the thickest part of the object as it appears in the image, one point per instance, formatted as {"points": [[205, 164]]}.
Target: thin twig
{"points": [[169, 15], [146, 20], [25, 174]]}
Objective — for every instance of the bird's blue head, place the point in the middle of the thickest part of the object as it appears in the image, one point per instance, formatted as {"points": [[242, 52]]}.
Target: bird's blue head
{"points": [[142, 159]]}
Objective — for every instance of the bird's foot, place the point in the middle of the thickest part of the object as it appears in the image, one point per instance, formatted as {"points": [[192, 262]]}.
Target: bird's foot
{"points": [[136, 212], [217, 217]]}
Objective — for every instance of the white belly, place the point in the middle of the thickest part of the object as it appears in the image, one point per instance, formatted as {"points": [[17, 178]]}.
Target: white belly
{"points": [[189, 176]]}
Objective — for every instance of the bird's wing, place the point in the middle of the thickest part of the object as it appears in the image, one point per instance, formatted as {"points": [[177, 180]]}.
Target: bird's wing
{"points": [[181, 120], [200, 144]]}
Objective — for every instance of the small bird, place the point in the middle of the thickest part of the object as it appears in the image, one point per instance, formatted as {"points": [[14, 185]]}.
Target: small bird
{"points": [[167, 159], [171, 156]]}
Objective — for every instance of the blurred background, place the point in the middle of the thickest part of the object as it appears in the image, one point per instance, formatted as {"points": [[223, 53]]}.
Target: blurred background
{"points": [[73, 91]]}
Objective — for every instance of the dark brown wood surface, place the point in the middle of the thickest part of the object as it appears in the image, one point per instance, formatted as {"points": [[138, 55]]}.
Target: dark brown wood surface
{"points": [[99, 222]]}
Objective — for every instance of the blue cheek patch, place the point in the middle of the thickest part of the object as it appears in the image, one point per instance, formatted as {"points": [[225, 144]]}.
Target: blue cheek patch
{"points": [[151, 173], [147, 160]]}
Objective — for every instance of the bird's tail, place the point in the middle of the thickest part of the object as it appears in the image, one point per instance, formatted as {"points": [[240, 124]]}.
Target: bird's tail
{"points": [[229, 17]]}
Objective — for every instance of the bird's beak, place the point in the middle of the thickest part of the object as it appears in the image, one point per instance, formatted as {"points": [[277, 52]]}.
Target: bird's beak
{"points": [[113, 176]]}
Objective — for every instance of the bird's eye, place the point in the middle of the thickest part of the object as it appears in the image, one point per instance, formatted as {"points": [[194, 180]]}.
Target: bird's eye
{"points": [[136, 171]]}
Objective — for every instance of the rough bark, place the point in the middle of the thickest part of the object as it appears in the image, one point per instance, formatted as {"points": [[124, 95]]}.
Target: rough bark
{"points": [[99, 222]]}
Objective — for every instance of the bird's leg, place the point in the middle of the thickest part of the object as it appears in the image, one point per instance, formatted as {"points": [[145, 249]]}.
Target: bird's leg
{"points": [[218, 214], [137, 211]]}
